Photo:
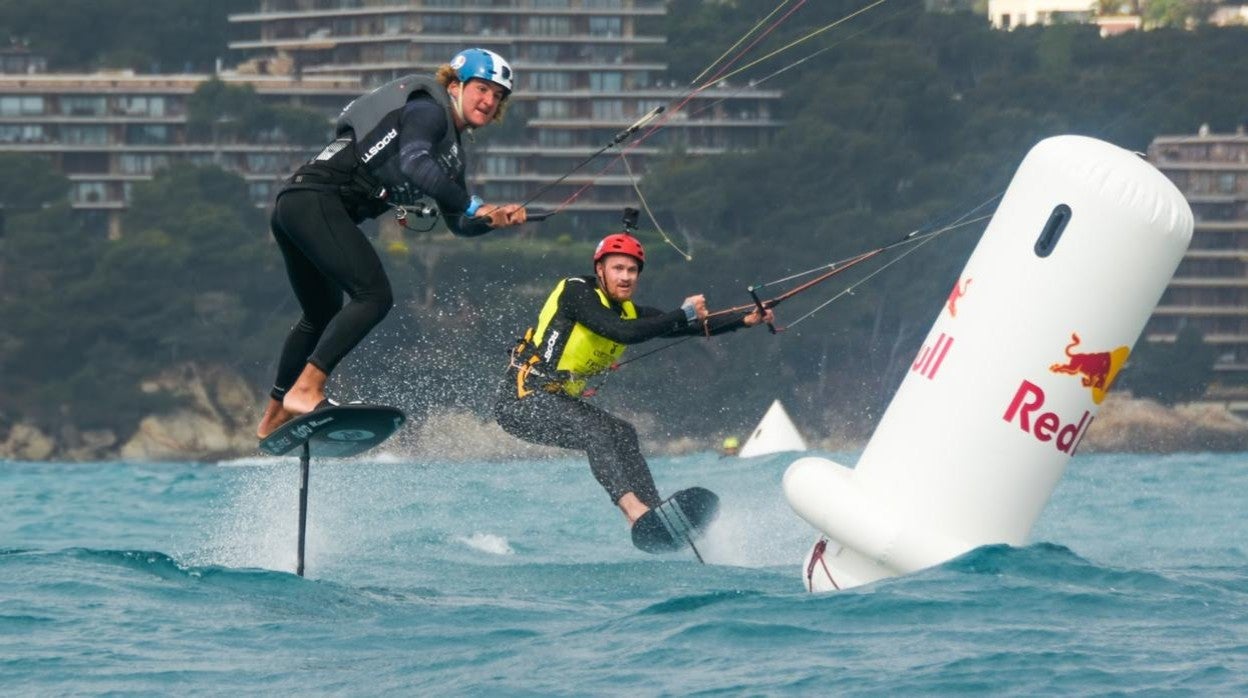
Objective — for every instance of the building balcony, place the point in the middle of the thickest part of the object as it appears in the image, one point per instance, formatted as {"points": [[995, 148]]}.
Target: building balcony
{"points": [[544, 177], [1201, 165], [667, 95], [129, 83], [1209, 282], [98, 205], [1214, 198], [1221, 226], [1202, 310], [388, 66], [1240, 255], [524, 10], [586, 150], [93, 120], [677, 121], [173, 148], [318, 43], [1212, 338], [144, 177]]}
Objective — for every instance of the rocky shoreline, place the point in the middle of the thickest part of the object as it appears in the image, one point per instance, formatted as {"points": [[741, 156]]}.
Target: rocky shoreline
{"points": [[216, 420]]}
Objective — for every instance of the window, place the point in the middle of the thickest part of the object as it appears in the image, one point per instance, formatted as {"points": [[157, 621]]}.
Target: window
{"points": [[21, 133], [19, 105], [84, 106], [85, 135], [1226, 182], [147, 133], [606, 82], [645, 106], [550, 26], [504, 191], [88, 192], [262, 162], [559, 139], [609, 109], [395, 52], [545, 53], [84, 163], [553, 108], [141, 164], [604, 26], [549, 82], [138, 105], [444, 23], [499, 165]]}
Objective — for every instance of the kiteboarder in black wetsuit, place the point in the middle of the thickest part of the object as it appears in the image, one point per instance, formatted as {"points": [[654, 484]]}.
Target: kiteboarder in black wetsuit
{"points": [[581, 331], [395, 145]]}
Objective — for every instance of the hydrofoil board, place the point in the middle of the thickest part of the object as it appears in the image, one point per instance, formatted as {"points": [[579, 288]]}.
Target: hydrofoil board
{"points": [[681, 519], [336, 431]]}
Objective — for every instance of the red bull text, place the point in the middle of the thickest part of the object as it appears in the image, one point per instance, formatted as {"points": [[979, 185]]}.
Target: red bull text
{"points": [[1065, 434], [927, 363]]}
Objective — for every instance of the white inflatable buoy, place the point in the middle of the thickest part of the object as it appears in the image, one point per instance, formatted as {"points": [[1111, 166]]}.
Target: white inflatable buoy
{"points": [[1011, 374], [775, 433]]}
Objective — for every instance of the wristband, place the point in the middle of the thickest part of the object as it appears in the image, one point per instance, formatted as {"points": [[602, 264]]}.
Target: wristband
{"points": [[473, 204], [691, 313]]}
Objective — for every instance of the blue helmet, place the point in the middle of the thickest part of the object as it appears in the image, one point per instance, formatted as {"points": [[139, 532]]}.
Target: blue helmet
{"points": [[484, 64]]}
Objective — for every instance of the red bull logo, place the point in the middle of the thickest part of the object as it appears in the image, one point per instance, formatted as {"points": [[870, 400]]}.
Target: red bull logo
{"points": [[959, 290], [1098, 369]]}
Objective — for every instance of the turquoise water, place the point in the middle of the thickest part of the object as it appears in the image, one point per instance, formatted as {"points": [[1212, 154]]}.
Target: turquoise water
{"points": [[518, 578]]}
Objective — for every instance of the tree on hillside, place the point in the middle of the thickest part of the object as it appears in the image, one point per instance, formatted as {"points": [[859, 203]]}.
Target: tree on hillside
{"points": [[29, 182], [197, 279], [221, 112], [1171, 372]]}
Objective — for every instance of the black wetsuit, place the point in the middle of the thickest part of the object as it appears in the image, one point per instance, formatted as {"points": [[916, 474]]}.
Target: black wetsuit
{"points": [[549, 416], [315, 224]]}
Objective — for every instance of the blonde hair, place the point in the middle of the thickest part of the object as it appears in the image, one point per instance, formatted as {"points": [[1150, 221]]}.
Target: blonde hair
{"points": [[447, 75]]}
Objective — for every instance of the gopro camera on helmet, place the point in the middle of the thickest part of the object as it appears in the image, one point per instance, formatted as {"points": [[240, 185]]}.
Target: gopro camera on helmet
{"points": [[630, 218]]}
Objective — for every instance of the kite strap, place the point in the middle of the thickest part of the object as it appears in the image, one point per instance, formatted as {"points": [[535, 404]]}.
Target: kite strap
{"points": [[816, 557]]}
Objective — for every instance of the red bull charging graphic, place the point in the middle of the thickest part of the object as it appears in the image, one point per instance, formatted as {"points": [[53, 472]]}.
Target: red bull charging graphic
{"points": [[1098, 369]]}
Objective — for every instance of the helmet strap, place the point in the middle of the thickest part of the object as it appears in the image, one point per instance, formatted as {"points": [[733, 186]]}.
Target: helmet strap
{"points": [[459, 108]]}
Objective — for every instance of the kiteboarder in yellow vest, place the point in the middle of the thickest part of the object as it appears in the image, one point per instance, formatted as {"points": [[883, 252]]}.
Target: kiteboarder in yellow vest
{"points": [[581, 331]]}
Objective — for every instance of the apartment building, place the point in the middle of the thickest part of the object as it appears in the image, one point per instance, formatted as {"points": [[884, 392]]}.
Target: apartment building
{"points": [[586, 69], [1210, 287], [106, 131]]}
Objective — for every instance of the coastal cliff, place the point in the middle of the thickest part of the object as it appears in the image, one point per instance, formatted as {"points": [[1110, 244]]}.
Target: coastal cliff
{"points": [[217, 409]]}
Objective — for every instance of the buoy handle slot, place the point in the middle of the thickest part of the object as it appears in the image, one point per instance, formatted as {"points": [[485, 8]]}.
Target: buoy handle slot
{"points": [[1052, 231]]}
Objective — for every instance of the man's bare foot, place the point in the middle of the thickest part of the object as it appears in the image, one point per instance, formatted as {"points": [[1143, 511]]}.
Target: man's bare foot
{"points": [[307, 392], [274, 416], [303, 402], [632, 507]]}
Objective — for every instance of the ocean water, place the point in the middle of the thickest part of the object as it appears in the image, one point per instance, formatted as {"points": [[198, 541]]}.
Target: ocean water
{"points": [[518, 578]]}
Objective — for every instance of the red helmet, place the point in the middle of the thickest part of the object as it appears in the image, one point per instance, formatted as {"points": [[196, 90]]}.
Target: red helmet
{"points": [[621, 243]]}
